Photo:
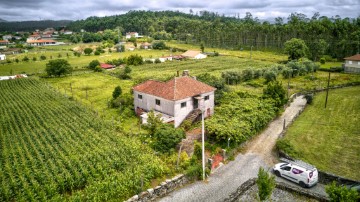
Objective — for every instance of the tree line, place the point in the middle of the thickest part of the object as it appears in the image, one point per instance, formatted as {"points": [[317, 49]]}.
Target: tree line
{"points": [[340, 36]]}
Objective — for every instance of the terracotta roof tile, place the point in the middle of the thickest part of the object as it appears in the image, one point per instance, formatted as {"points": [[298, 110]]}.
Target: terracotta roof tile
{"points": [[191, 53], [354, 57], [176, 89]]}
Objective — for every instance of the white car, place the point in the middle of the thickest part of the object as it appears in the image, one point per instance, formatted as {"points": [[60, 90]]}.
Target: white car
{"points": [[299, 172]]}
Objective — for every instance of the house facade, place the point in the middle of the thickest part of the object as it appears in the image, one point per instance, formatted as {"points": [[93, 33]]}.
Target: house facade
{"points": [[2, 57], [41, 42], [352, 64], [174, 100], [131, 34]]}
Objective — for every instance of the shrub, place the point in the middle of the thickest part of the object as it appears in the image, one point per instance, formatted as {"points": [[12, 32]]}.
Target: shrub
{"points": [[34, 59], [247, 74], [134, 60], [341, 193], [309, 98], [322, 60], [167, 137], [275, 91], [93, 64], [97, 52], [98, 69], [285, 146], [25, 59], [159, 45], [42, 57], [265, 183], [117, 92], [58, 67], [88, 51], [270, 75], [157, 60]]}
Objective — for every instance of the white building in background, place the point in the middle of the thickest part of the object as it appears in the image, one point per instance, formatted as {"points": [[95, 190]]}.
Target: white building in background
{"points": [[192, 54], [2, 57], [175, 100]]}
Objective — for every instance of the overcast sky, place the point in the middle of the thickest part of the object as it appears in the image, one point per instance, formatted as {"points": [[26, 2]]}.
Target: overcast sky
{"points": [[24, 10]]}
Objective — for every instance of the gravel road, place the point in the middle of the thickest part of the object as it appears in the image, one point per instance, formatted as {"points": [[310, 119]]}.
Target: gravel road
{"points": [[258, 152]]}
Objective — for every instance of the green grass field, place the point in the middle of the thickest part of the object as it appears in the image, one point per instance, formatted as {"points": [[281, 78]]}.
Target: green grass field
{"points": [[330, 138], [55, 149]]}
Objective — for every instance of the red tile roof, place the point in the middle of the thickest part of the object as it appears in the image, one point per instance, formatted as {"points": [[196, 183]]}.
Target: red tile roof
{"points": [[354, 57], [106, 66], [176, 89], [191, 53], [42, 41], [4, 41]]}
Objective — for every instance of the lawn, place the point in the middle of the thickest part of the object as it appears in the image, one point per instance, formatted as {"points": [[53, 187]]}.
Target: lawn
{"points": [[94, 89], [330, 138]]}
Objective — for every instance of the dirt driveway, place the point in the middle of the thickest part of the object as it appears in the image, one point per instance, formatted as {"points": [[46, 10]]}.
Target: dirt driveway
{"points": [[258, 152]]}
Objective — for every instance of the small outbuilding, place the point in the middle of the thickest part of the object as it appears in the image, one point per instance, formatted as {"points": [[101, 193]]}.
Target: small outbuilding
{"points": [[192, 54], [352, 64], [2, 57]]}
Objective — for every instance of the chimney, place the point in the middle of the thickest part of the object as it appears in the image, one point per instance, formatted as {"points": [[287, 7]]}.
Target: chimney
{"points": [[185, 73]]}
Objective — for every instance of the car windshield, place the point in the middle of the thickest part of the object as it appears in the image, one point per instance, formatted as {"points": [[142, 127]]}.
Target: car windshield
{"points": [[285, 164]]}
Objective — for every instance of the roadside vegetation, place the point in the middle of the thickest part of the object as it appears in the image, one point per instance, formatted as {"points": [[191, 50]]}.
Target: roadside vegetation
{"points": [[329, 136]]}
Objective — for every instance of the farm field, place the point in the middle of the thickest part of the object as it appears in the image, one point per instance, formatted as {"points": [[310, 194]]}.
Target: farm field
{"points": [[329, 137], [38, 66], [54, 149]]}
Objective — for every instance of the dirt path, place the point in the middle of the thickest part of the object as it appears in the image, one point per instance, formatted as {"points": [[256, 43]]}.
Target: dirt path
{"points": [[263, 144], [258, 152]]}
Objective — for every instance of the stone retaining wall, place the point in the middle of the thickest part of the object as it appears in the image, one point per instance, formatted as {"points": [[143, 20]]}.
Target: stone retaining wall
{"points": [[280, 185], [162, 190]]}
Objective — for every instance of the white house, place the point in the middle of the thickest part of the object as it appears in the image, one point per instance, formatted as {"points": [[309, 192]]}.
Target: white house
{"points": [[194, 54], [13, 77], [352, 64], [41, 42], [2, 57], [131, 34], [174, 100], [165, 58]]}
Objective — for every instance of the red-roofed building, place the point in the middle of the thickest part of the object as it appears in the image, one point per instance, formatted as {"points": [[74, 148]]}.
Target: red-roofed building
{"points": [[175, 100], [41, 42], [4, 42], [106, 66], [352, 64]]}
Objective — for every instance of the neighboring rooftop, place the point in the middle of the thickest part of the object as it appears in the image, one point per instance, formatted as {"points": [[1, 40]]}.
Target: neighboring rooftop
{"points": [[176, 89], [191, 53], [106, 66], [354, 57]]}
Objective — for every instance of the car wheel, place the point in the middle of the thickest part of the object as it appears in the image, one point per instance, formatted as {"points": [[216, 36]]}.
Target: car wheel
{"points": [[302, 184], [277, 173]]}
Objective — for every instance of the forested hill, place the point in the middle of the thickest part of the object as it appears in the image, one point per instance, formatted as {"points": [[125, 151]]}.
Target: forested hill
{"points": [[340, 36], [31, 25]]}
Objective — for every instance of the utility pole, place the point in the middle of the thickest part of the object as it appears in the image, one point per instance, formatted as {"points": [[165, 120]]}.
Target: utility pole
{"points": [[251, 51], [327, 91], [203, 140]]}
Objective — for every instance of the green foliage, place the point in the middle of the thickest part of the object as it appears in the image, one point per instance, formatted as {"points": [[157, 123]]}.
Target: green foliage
{"points": [[341, 193], [58, 67], [296, 48], [216, 82], [309, 98], [270, 75], [94, 162], [166, 137], [134, 60], [153, 122], [247, 74], [276, 92], [160, 45], [97, 52], [231, 77], [322, 61], [117, 92], [157, 60], [202, 47], [265, 183], [124, 73], [25, 59], [239, 117], [88, 51], [93, 64], [285, 146], [42, 57]]}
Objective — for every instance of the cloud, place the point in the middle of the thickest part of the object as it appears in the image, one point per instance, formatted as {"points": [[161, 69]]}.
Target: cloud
{"points": [[22, 10]]}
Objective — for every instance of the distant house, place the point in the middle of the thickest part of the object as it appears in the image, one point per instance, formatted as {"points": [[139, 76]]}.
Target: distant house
{"points": [[41, 42], [2, 57], [7, 37], [33, 37], [131, 48], [352, 64], [165, 58], [106, 66], [192, 54], [174, 100], [177, 57], [131, 34], [145, 45], [4, 42], [13, 77]]}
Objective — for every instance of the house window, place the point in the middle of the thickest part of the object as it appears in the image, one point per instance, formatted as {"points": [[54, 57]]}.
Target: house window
{"points": [[207, 97], [140, 96], [157, 102], [183, 104]]}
